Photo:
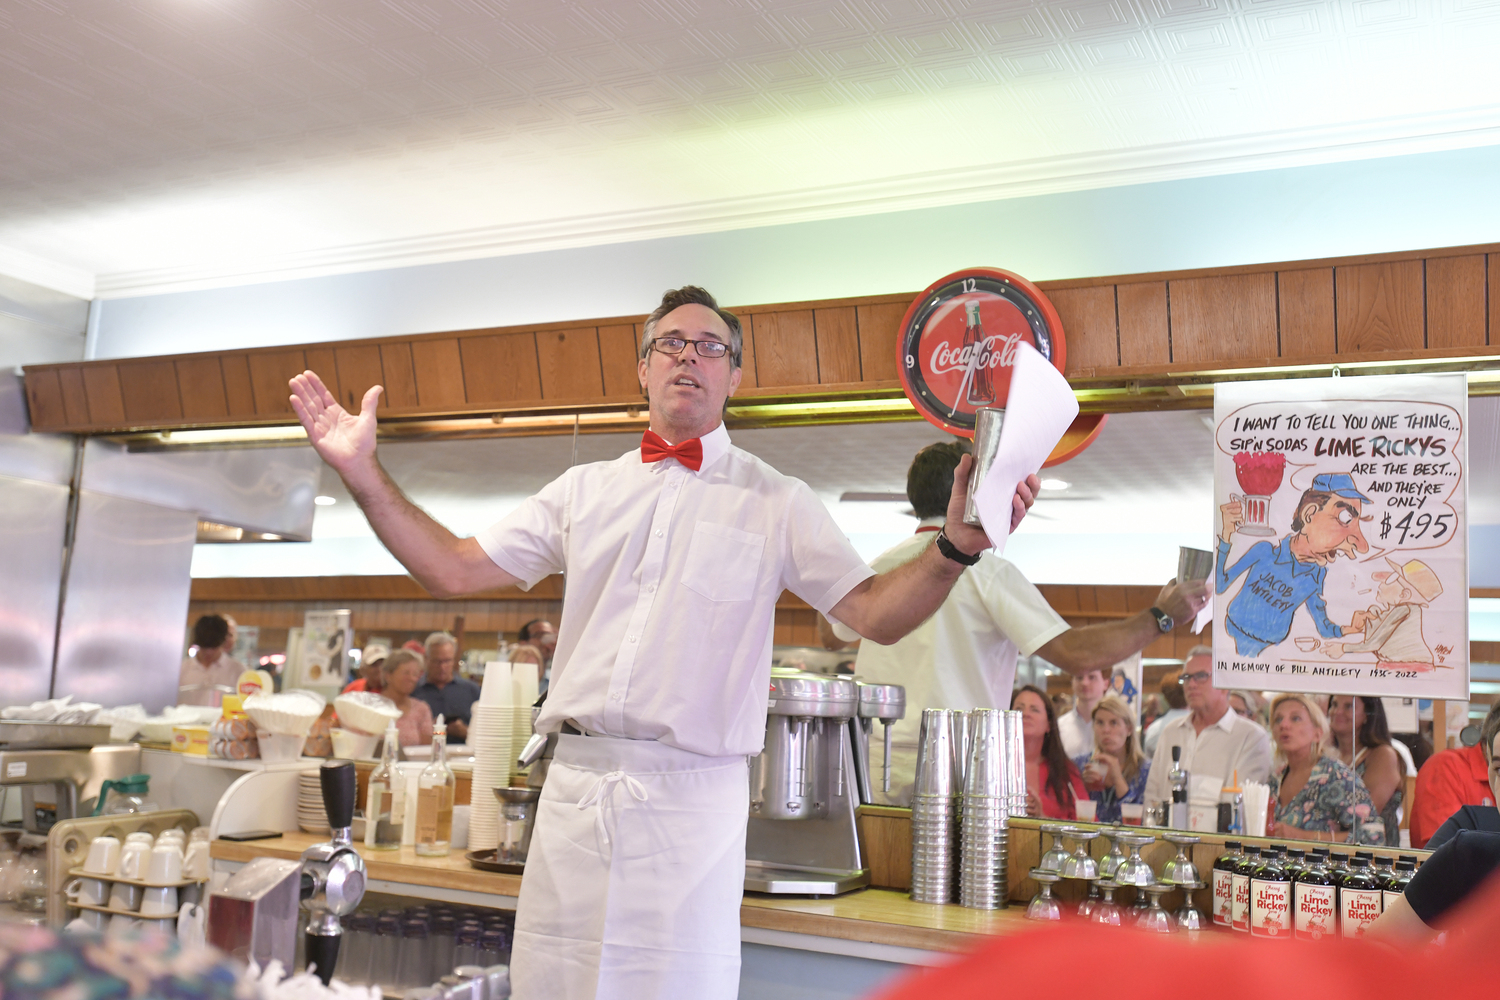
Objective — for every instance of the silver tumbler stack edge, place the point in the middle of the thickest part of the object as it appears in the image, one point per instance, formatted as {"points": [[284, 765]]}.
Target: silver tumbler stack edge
{"points": [[989, 800], [935, 805]]}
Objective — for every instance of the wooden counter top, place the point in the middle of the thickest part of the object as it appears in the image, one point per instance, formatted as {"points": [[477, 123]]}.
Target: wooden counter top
{"points": [[876, 916]]}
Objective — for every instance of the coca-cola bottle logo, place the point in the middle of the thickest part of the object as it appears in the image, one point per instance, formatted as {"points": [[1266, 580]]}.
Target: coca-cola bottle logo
{"points": [[959, 340]]}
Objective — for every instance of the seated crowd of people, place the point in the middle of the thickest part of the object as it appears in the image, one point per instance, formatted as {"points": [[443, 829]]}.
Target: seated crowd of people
{"points": [[1334, 770]]}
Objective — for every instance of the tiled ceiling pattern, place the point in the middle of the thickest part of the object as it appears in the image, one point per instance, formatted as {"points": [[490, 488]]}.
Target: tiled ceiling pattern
{"points": [[161, 139]]}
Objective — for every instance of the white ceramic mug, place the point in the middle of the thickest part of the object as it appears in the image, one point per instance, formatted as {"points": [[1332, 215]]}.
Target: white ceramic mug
{"points": [[133, 860], [120, 923], [196, 863], [89, 891], [97, 920], [172, 833], [199, 833], [125, 896], [104, 856], [190, 893], [159, 901], [164, 867], [139, 837]]}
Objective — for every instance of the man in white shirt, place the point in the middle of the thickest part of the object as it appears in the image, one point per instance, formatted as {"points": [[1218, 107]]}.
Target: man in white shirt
{"points": [[1214, 740], [1171, 690], [206, 674], [1077, 727], [675, 556], [964, 656]]}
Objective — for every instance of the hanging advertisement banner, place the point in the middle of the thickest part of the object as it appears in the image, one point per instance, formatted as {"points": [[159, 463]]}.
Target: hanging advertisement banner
{"points": [[1342, 549]]}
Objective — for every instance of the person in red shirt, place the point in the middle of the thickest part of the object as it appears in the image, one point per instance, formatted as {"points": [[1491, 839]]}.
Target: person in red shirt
{"points": [[369, 669], [1053, 784], [1450, 779]]}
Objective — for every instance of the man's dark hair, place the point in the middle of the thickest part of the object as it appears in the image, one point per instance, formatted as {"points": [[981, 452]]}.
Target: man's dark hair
{"points": [[525, 634], [1311, 496], [210, 632], [929, 480], [1490, 729], [1171, 690], [693, 295]]}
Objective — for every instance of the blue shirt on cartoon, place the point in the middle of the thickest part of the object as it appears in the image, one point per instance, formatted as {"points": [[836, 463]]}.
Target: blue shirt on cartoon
{"points": [[1276, 585]]}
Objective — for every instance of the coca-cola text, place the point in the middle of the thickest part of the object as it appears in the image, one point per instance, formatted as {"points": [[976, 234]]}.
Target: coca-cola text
{"points": [[994, 352]]}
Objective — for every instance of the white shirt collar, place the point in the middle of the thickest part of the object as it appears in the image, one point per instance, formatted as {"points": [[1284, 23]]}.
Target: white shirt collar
{"points": [[932, 522], [1226, 721], [715, 446]]}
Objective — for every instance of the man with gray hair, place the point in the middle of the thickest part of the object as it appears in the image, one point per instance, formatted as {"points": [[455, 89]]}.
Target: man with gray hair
{"points": [[446, 693], [1214, 740]]}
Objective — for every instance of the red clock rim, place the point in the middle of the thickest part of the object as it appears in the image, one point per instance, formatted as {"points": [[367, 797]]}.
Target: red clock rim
{"points": [[1049, 315]]}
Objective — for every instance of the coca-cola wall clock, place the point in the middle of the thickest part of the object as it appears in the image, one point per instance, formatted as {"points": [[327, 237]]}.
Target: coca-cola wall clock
{"points": [[958, 343]]}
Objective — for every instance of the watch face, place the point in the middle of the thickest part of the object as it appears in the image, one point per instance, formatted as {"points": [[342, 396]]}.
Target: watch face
{"points": [[958, 342]]}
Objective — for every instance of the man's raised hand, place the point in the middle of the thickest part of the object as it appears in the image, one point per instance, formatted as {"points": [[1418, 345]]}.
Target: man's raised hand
{"points": [[340, 438]]}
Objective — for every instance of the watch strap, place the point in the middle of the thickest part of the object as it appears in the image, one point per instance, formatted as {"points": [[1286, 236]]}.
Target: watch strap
{"points": [[947, 548], [1164, 621]]}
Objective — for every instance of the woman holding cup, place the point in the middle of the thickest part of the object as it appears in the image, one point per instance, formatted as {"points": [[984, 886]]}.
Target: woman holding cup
{"points": [[1115, 773]]}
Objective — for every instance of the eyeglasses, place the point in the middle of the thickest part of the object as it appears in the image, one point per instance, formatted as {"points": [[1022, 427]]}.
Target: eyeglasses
{"points": [[705, 348], [1199, 677]]}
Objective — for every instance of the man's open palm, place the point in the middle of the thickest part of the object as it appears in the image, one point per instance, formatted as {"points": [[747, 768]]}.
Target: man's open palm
{"points": [[342, 439]]}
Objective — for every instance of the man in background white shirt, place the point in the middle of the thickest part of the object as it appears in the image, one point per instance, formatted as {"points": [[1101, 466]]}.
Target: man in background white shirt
{"points": [[204, 675], [1215, 741], [675, 553], [1077, 727], [964, 656]]}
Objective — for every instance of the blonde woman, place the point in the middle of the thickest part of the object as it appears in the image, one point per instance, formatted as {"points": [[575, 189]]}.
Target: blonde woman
{"points": [[1116, 772], [1314, 796]]}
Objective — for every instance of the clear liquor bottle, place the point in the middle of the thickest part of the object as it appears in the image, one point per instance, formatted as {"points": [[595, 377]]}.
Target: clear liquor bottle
{"points": [[435, 786], [382, 821]]}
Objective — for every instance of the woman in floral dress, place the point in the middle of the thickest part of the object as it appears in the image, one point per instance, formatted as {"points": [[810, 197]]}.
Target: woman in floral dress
{"points": [[1313, 796]]}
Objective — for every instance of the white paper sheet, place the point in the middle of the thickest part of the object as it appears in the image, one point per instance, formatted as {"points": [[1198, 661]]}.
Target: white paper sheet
{"points": [[1038, 411]]}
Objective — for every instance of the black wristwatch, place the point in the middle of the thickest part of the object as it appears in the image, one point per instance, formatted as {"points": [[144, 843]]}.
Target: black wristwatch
{"points": [[946, 547], [1164, 621]]}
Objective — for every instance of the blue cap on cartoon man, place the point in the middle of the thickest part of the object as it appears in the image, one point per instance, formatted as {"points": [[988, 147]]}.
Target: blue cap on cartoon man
{"points": [[1339, 484]]}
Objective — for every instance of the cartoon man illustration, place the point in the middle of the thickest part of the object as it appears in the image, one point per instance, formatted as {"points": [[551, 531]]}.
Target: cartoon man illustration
{"points": [[1283, 577], [1393, 628]]}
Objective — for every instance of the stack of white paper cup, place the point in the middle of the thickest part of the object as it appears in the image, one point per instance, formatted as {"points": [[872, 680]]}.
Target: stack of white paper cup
{"points": [[492, 742]]}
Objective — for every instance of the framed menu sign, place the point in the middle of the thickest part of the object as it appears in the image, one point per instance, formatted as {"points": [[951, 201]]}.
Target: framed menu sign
{"points": [[1341, 506], [958, 342]]}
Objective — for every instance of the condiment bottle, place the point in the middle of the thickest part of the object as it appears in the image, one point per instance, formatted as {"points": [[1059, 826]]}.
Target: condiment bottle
{"points": [[435, 786], [1239, 885], [382, 821], [1314, 898], [1359, 899], [1223, 873], [1394, 884], [1270, 899]]}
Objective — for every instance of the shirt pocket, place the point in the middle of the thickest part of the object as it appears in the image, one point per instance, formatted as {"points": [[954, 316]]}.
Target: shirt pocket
{"points": [[723, 563]]}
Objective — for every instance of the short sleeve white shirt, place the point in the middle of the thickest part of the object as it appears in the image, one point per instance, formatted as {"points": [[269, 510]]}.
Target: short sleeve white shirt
{"points": [[964, 656], [672, 580]]}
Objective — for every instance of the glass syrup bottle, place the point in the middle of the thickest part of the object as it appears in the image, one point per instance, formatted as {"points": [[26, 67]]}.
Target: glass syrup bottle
{"points": [[1270, 898], [1314, 899], [383, 816], [1223, 875], [1395, 883], [1239, 883], [435, 786], [1359, 899]]}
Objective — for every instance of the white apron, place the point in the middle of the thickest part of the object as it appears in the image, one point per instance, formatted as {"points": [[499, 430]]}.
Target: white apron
{"points": [[635, 875]]}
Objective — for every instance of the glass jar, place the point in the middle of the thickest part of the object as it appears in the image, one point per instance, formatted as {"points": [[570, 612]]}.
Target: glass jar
{"points": [[517, 815]]}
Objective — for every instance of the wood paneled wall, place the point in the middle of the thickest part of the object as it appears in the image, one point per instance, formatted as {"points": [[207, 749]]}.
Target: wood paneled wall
{"points": [[1120, 328]]}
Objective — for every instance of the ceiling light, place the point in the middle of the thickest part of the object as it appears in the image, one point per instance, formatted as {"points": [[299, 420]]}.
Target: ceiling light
{"points": [[1055, 484], [324, 501]]}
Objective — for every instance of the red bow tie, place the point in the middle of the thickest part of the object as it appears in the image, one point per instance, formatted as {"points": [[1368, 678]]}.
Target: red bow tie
{"points": [[654, 448]]}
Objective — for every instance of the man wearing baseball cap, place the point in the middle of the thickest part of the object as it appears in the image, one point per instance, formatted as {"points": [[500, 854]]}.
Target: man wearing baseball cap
{"points": [[1393, 628], [370, 660], [1282, 577]]}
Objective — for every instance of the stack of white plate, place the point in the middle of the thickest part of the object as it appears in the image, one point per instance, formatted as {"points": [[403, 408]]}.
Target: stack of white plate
{"points": [[312, 817], [492, 742]]}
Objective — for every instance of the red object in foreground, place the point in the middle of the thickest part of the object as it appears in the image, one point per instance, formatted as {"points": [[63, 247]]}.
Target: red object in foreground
{"points": [[1260, 474], [1221, 965]]}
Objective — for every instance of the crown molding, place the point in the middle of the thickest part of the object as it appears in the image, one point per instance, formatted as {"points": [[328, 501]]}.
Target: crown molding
{"points": [[47, 273], [1051, 175]]}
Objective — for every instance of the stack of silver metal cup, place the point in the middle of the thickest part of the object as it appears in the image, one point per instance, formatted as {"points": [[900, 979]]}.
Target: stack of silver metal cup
{"points": [[1015, 763], [988, 800], [935, 805]]}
